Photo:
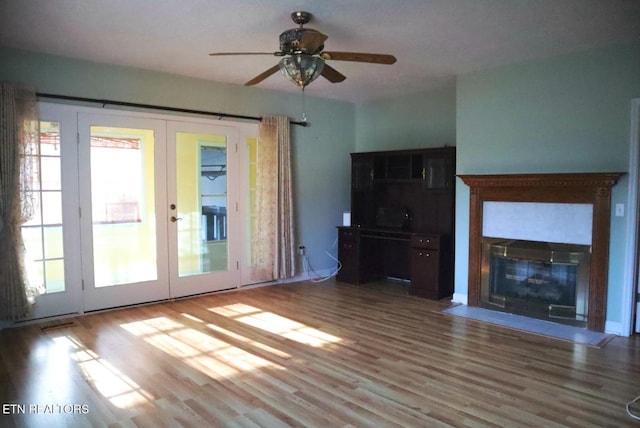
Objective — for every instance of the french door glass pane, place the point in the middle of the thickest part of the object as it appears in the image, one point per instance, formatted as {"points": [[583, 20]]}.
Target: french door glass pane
{"points": [[51, 207], [123, 205], [201, 174], [42, 233]]}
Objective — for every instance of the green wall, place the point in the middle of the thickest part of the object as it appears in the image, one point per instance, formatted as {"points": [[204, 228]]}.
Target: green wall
{"points": [[409, 122], [320, 152], [563, 114]]}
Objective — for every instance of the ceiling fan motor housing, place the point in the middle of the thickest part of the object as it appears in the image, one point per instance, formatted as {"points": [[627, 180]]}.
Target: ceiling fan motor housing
{"points": [[292, 42]]}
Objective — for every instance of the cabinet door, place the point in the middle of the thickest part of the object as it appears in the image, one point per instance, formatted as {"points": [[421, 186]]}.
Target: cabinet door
{"points": [[437, 172], [362, 173], [424, 272], [348, 256], [362, 192]]}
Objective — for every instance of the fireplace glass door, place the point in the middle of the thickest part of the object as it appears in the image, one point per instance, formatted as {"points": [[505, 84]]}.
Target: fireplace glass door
{"points": [[536, 279]]}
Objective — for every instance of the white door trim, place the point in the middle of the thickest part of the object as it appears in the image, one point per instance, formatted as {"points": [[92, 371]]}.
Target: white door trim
{"points": [[630, 285]]}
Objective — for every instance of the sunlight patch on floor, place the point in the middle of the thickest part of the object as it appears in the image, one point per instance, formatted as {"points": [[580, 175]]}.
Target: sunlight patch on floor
{"points": [[114, 385], [254, 343], [213, 357], [192, 318], [276, 324], [239, 337], [235, 310]]}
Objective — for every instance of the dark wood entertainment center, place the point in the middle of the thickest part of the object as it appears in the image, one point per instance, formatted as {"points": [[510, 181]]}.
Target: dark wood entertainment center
{"points": [[402, 220]]}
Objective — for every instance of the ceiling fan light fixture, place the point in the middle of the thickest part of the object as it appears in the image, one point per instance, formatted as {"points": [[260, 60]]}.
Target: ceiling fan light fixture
{"points": [[301, 69]]}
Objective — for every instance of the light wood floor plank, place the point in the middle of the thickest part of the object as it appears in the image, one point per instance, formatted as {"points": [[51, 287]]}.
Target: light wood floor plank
{"points": [[309, 355]]}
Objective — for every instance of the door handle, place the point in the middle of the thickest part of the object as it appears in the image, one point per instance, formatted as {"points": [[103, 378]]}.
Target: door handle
{"points": [[174, 218]]}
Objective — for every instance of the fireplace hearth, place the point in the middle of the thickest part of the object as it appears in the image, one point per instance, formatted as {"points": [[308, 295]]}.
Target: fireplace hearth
{"points": [[541, 280]]}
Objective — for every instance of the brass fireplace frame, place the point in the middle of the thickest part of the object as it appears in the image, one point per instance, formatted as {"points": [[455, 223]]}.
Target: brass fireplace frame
{"points": [[548, 253]]}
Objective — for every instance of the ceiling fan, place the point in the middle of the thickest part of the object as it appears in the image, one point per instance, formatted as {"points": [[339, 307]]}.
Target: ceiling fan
{"points": [[303, 55]]}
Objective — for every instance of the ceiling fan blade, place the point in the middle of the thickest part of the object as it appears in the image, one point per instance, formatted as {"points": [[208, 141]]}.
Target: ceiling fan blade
{"points": [[359, 57], [312, 41], [242, 53], [260, 77], [331, 74]]}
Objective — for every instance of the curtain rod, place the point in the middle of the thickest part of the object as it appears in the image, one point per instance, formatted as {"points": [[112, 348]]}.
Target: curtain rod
{"points": [[155, 107]]}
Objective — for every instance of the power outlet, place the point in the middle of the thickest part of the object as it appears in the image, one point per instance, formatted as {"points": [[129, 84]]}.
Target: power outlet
{"points": [[619, 210], [302, 250]]}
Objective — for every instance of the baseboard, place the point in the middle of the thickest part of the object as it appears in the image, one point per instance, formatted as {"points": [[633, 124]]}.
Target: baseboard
{"points": [[5, 324], [460, 298], [613, 327], [315, 276]]}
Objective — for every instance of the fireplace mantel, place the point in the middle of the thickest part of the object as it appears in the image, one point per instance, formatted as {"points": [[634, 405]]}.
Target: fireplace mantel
{"points": [[591, 188]]}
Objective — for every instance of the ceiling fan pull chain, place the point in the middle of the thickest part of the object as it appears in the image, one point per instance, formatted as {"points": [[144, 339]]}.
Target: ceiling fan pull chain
{"points": [[304, 107]]}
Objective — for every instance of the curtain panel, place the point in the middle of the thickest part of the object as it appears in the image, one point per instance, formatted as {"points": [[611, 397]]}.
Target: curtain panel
{"points": [[272, 243], [19, 146]]}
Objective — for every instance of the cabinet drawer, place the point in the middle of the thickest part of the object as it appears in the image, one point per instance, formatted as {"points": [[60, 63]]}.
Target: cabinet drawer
{"points": [[427, 242], [423, 254], [347, 235]]}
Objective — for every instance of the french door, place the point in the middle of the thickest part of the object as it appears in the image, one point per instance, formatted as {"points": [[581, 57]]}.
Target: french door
{"points": [[121, 164], [204, 227], [152, 209]]}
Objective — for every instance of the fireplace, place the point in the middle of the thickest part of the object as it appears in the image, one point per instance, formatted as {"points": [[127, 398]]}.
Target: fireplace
{"points": [[543, 280], [592, 189]]}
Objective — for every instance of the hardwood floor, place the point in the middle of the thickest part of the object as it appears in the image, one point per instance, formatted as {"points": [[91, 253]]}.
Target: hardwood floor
{"points": [[311, 355]]}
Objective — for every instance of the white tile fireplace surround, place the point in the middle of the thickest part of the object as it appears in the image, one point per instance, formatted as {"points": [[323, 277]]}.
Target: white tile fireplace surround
{"points": [[551, 208], [537, 221]]}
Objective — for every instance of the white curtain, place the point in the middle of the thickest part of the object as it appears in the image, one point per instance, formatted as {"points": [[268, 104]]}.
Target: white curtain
{"points": [[19, 146], [272, 243]]}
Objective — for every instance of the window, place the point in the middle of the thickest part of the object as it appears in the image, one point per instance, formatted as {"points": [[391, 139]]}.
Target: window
{"points": [[42, 234], [117, 167]]}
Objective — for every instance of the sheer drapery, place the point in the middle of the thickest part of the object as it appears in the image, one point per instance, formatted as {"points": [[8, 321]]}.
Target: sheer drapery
{"points": [[19, 145], [272, 243]]}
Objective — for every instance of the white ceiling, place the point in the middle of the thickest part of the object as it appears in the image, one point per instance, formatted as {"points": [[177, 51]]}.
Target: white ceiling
{"points": [[433, 40]]}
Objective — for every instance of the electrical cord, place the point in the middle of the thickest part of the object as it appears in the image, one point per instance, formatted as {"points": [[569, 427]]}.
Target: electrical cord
{"points": [[318, 278], [629, 404], [306, 266]]}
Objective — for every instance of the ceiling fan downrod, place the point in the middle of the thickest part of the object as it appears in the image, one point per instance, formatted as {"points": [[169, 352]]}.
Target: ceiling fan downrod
{"points": [[301, 17]]}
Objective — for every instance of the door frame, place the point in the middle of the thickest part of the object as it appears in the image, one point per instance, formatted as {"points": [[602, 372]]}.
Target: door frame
{"points": [[74, 296], [631, 286]]}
